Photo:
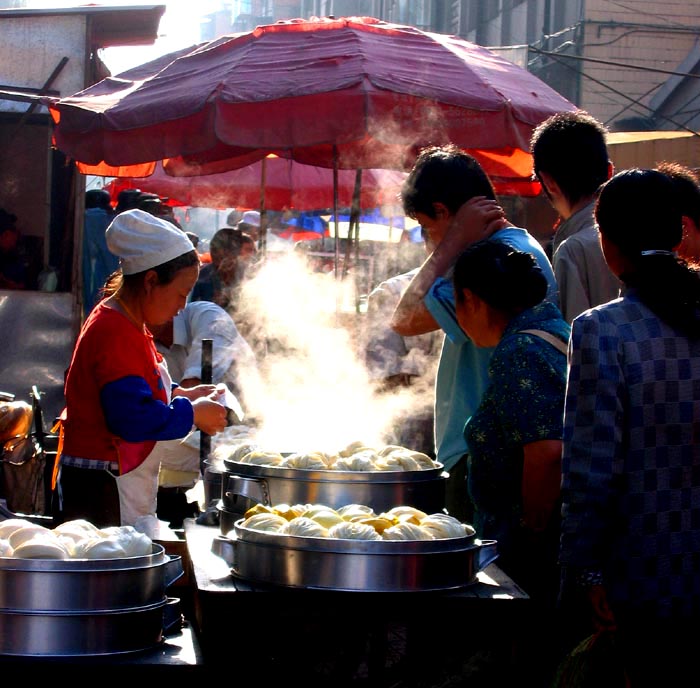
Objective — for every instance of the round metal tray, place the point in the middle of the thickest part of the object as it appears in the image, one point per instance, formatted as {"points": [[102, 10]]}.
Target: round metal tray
{"points": [[86, 585], [245, 484], [355, 565]]}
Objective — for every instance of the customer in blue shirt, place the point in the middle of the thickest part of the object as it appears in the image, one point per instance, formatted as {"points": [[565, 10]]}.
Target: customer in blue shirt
{"points": [[98, 261], [449, 193]]}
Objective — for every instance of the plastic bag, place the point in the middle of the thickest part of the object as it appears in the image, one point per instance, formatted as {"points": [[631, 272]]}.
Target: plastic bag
{"points": [[596, 662]]}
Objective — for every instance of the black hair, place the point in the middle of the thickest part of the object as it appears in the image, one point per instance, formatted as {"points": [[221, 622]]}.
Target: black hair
{"points": [[572, 148], [166, 273], [687, 188], [443, 174], [638, 212], [508, 280], [127, 199], [230, 240], [98, 198]]}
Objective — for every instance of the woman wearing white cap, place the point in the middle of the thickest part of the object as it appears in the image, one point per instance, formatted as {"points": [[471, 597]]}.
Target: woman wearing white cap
{"points": [[117, 398]]}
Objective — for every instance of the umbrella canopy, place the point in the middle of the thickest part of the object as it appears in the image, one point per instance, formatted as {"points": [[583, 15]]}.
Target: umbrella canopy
{"points": [[375, 226], [286, 185], [346, 93]]}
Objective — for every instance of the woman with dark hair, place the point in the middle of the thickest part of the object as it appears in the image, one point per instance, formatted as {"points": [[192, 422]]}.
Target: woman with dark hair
{"points": [[118, 402], [514, 436], [630, 542]]}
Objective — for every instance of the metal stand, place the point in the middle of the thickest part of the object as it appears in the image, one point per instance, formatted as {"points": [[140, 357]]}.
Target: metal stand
{"points": [[210, 516]]}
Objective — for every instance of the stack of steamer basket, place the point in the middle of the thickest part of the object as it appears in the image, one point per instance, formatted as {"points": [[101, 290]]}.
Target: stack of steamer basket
{"points": [[390, 479]]}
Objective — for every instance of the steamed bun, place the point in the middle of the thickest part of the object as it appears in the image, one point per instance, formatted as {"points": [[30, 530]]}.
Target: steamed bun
{"points": [[8, 526], [106, 547], [267, 523], [262, 458], [327, 518], [25, 533], [76, 530], [135, 544], [357, 462], [240, 450], [444, 526], [406, 531], [309, 461], [304, 526], [407, 513], [349, 511], [347, 530], [41, 546]]}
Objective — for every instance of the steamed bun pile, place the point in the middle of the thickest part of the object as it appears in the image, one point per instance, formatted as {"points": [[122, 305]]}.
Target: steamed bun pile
{"points": [[354, 522], [77, 539], [355, 457]]}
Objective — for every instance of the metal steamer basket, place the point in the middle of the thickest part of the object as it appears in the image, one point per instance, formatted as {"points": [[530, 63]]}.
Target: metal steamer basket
{"points": [[245, 484], [76, 607], [354, 565]]}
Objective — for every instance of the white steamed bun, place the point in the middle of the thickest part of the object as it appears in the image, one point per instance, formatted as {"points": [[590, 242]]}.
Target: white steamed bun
{"points": [[348, 530], [406, 531], [41, 546], [8, 526], [304, 526], [443, 526], [267, 523]]}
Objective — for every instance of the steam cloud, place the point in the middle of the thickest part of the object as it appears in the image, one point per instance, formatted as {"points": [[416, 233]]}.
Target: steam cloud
{"points": [[312, 390]]}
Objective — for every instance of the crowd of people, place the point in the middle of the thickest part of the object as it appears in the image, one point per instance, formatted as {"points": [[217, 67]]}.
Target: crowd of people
{"points": [[566, 389], [566, 402]]}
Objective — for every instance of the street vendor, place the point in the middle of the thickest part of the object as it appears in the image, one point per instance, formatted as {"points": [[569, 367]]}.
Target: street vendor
{"points": [[117, 389]]}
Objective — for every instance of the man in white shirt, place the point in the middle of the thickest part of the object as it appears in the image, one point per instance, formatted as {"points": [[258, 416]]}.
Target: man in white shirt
{"points": [[233, 363]]}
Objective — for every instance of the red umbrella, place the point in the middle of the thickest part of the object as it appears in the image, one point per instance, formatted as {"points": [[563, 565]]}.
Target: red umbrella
{"points": [[344, 93], [288, 185]]}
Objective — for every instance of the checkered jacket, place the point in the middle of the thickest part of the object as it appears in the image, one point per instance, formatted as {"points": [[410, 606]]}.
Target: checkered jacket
{"points": [[631, 461]]}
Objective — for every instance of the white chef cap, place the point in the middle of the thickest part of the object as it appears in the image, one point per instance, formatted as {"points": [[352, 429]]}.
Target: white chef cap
{"points": [[143, 241]]}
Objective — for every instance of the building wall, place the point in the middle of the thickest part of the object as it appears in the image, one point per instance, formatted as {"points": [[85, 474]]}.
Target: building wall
{"points": [[643, 33], [648, 35], [30, 50]]}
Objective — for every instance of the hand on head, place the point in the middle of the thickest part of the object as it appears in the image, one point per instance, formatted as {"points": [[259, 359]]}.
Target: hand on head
{"points": [[476, 219]]}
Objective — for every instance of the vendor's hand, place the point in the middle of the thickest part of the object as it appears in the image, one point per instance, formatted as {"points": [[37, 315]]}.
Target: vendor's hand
{"points": [[190, 382], [476, 219], [209, 415], [197, 392]]}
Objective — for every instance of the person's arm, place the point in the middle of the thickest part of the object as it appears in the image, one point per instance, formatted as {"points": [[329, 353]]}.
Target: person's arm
{"points": [[384, 348], [411, 316], [592, 459], [477, 219], [573, 297], [541, 482], [132, 413]]}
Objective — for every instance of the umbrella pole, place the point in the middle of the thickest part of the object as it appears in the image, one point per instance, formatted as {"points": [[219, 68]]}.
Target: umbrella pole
{"points": [[354, 236], [336, 228], [262, 239]]}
